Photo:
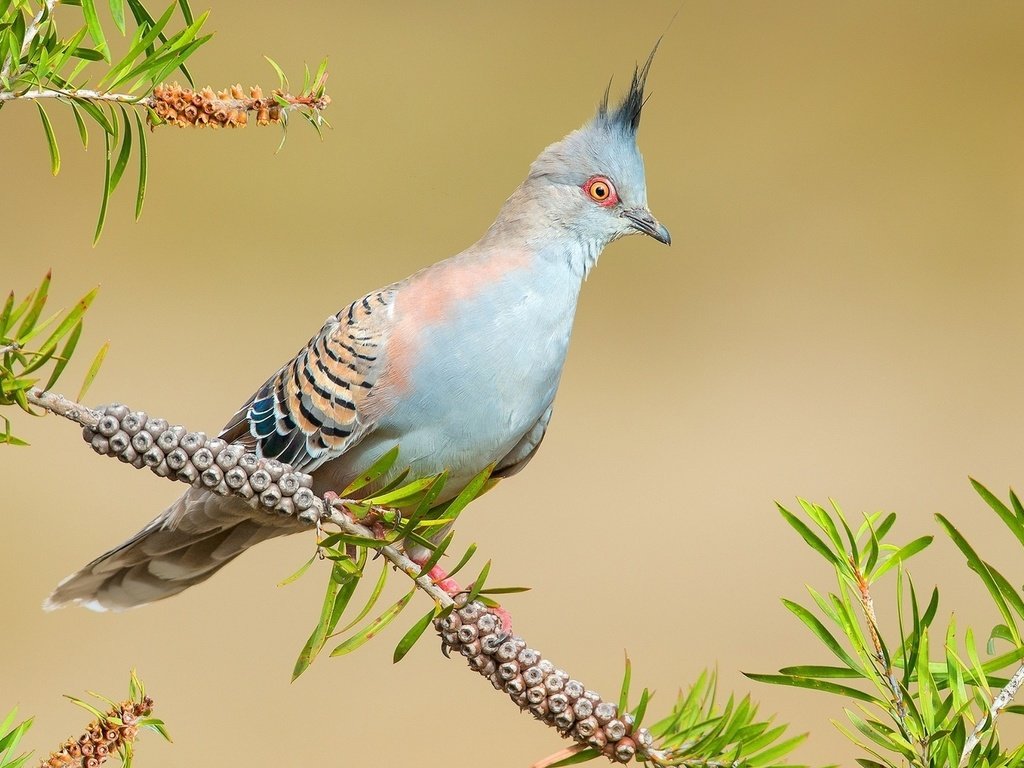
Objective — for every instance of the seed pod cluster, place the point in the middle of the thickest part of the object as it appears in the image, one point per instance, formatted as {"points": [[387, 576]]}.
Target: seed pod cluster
{"points": [[228, 108], [205, 462], [102, 738], [535, 684]]}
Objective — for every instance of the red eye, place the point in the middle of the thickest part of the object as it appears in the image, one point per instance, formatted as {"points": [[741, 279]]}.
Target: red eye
{"points": [[601, 191]]}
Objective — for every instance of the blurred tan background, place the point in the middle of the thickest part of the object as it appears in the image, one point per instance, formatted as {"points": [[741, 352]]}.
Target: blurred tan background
{"points": [[839, 315]]}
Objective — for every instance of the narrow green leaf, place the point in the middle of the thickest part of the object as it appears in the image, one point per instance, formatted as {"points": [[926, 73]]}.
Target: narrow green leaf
{"points": [[624, 688], [379, 468], [374, 627], [817, 685], [436, 555], [140, 195], [318, 637], [810, 537], [298, 574], [95, 113], [125, 153], [818, 670], [470, 551], [186, 11], [478, 583], [92, 21], [94, 368], [902, 554], [821, 632], [35, 308], [410, 638], [65, 355], [769, 756], [1011, 520], [371, 601], [117, 13], [105, 200], [83, 131], [51, 140], [280, 73]]}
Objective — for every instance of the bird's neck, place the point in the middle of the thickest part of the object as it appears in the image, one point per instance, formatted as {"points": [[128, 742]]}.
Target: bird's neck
{"points": [[525, 223]]}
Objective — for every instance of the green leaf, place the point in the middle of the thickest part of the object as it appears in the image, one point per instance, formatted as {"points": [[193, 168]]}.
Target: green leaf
{"points": [[125, 153], [318, 638], [624, 688], [818, 670], [94, 368], [95, 113], [370, 630], [410, 638], [978, 566], [478, 583], [821, 632], [298, 574], [473, 489], [51, 140], [769, 756], [1011, 520], [371, 600], [810, 537], [378, 469], [436, 555], [470, 551], [186, 11], [140, 195], [816, 685], [83, 131], [92, 21], [117, 13], [105, 200], [280, 73], [902, 554], [65, 355]]}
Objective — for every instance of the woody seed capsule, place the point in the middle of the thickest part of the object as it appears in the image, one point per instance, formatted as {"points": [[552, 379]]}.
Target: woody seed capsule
{"points": [[536, 693], [153, 457], [564, 720], [156, 426], [467, 633], [615, 730], [645, 739], [515, 685], [533, 676], [625, 750], [177, 459], [212, 477], [470, 649], [259, 480], [249, 462], [142, 442], [288, 483], [490, 643], [108, 426], [128, 455], [216, 445], [88, 434], [507, 651], [101, 445], [285, 507], [558, 703], [168, 440], [229, 457], [528, 657], [554, 683], [270, 497], [188, 473], [117, 410], [203, 459], [470, 612], [598, 740], [119, 441], [604, 712], [192, 442], [303, 499], [584, 708], [540, 709], [586, 727], [235, 478], [508, 670], [162, 470], [274, 468], [134, 422], [451, 622]]}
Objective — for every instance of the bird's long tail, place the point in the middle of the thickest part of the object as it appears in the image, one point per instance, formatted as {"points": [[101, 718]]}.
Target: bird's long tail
{"points": [[193, 539]]}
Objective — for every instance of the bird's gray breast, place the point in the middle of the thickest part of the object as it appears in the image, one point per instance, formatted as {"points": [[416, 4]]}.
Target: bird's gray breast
{"points": [[483, 377]]}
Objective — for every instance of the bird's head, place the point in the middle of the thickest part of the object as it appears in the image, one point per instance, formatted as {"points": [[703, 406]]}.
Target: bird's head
{"points": [[592, 181]]}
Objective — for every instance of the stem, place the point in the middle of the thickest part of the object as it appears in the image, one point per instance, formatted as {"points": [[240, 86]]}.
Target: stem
{"points": [[30, 33], [868, 604], [998, 705], [83, 94]]}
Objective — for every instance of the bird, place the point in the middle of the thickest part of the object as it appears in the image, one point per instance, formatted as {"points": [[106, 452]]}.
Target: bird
{"points": [[457, 365]]}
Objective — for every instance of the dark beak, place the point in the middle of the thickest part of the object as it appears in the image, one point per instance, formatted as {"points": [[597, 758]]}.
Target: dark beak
{"points": [[642, 221]]}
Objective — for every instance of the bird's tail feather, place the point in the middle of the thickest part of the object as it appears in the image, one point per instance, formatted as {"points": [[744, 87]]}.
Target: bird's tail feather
{"points": [[193, 539]]}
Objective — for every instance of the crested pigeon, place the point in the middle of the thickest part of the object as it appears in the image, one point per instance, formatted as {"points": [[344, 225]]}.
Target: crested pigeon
{"points": [[457, 365]]}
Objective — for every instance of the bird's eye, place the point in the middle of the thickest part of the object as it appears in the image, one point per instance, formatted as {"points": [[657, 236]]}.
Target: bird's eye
{"points": [[601, 191]]}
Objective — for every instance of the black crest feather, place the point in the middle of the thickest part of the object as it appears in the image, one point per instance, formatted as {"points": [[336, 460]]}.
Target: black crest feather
{"points": [[626, 116]]}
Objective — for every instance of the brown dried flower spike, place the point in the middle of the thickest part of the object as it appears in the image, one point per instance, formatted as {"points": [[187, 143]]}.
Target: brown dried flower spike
{"points": [[102, 738], [180, 106]]}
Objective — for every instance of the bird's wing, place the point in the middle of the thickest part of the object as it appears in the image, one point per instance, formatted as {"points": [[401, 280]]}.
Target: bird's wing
{"points": [[321, 402], [525, 449]]}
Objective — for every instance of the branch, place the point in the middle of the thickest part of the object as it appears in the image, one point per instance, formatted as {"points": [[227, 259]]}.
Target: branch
{"points": [[998, 705], [469, 627], [175, 105], [30, 34]]}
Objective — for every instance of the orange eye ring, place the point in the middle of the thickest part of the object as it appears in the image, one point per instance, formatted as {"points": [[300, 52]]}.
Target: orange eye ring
{"points": [[601, 191]]}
